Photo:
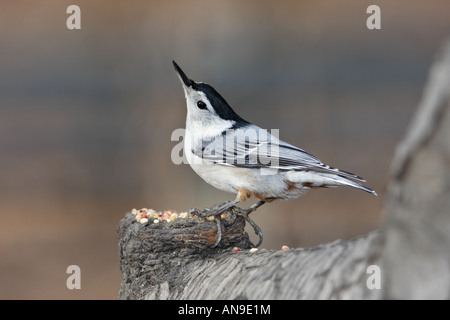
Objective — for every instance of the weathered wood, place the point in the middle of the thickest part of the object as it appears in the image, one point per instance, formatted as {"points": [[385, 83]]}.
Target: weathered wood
{"points": [[175, 260], [416, 254], [155, 254], [159, 263]]}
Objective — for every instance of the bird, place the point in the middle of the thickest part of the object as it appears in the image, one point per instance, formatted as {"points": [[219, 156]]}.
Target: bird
{"points": [[239, 157]]}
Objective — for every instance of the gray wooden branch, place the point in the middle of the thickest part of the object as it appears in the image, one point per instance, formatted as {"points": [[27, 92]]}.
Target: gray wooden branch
{"points": [[412, 250]]}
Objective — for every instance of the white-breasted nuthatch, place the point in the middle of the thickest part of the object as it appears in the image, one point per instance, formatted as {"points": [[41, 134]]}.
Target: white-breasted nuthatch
{"points": [[237, 156]]}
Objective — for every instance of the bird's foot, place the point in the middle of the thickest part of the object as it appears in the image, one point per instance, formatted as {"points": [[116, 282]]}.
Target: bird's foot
{"points": [[245, 214], [231, 207], [216, 212]]}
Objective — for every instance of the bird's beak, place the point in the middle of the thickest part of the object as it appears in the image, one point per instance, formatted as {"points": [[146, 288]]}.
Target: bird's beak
{"points": [[183, 78]]}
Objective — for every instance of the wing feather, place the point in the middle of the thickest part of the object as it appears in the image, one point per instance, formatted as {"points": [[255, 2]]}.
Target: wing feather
{"points": [[253, 147]]}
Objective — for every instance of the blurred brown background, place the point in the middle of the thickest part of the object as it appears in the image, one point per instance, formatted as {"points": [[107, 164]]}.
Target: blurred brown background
{"points": [[86, 118]]}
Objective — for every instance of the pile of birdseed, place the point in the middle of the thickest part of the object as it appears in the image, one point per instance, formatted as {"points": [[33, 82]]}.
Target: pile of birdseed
{"points": [[145, 215]]}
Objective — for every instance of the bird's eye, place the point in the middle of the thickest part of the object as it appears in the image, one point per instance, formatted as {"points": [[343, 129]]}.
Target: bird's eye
{"points": [[201, 105]]}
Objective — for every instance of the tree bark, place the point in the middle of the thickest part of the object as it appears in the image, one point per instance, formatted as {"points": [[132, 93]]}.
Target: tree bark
{"points": [[175, 260]]}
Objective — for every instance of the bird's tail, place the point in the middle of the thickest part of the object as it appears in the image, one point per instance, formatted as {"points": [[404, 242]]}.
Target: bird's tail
{"points": [[340, 177]]}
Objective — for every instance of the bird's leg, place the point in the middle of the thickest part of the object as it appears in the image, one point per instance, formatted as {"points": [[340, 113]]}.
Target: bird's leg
{"points": [[245, 212], [253, 207], [217, 210]]}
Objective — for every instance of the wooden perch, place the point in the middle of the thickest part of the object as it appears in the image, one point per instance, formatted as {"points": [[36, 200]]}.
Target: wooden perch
{"points": [[412, 250]]}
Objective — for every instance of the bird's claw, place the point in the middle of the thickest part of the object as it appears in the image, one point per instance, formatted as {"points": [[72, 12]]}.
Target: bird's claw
{"points": [[244, 213], [230, 206]]}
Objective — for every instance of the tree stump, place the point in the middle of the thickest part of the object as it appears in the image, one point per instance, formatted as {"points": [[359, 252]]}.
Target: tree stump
{"points": [[176, 260]]}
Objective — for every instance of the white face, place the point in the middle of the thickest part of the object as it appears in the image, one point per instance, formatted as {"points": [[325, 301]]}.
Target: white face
{"points": [[201, 113]]}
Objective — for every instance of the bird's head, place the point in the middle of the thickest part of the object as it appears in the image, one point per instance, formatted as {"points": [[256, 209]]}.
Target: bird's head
{"points": [[205, 104]]}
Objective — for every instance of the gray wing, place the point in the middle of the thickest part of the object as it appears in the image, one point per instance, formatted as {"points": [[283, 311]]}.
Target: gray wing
{"points": [[253, 147]]}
